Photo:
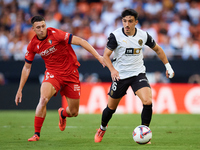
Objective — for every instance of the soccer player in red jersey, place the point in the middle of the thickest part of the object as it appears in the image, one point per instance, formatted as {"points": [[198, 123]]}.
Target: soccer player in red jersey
{"points": [[54, 46]]}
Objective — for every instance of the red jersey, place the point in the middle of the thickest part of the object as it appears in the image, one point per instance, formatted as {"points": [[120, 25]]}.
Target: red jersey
{"points": [[55, 50]]}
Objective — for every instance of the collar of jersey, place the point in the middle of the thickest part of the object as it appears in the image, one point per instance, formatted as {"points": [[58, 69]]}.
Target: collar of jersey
{"points": [[127, 35], [43, 38]]}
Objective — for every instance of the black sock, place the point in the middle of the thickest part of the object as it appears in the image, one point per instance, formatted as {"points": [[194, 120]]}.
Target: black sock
{"points": [[37, 133], [106, 116], [146, 114]]}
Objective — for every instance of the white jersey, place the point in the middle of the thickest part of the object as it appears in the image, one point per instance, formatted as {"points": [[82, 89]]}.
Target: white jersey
{"points": [[128, 56]]}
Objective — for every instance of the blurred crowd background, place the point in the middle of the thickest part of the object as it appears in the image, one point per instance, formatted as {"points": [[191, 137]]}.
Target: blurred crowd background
{"points": [[174, 24]]}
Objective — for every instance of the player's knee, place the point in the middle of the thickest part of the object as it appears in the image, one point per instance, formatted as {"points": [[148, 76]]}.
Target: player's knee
{"points": [[74, 113], [43, 101], [147, 102]]}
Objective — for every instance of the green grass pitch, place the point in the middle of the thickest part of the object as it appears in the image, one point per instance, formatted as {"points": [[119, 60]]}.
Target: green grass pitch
{"points": [[170, 132]]}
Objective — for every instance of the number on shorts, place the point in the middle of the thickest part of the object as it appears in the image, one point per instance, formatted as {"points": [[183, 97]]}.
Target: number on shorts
{"points": [[114, 86]]}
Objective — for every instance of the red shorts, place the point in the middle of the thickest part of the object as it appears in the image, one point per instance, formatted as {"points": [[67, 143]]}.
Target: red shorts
{"points": [[68, 85]]}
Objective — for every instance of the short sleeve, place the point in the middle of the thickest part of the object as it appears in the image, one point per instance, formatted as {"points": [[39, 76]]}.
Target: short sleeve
{"points": [[68, 38], [30, 54], [150, 41], [62, 36], [112, 43]]}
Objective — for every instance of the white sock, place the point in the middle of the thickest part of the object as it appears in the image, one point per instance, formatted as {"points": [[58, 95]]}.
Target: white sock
{"points": [[103, 128]]}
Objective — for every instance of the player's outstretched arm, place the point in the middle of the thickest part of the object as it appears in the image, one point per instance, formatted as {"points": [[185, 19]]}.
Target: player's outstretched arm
{"points": [[79, 41], [24, 76], [163, 58]]}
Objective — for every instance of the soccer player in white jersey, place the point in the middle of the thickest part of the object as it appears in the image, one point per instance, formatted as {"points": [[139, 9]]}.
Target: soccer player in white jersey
{"points": [[128, 68]]}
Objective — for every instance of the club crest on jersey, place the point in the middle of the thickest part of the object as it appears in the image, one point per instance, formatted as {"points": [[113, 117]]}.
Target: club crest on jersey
{"points": [[50, 41], [140, 42]]}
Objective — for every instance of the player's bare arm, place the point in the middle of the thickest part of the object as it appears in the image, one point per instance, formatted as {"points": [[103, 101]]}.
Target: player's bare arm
{"points": [[163, 58], [113, 71], [159, 51], [79, 41], [24, 76]]}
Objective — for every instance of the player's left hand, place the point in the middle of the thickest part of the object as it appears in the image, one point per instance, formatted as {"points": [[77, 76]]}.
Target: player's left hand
{"points": [[169, 71], [169, 74]]}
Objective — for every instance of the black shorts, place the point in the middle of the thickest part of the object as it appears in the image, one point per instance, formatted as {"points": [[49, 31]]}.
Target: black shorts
{"points": [[118, 88]]}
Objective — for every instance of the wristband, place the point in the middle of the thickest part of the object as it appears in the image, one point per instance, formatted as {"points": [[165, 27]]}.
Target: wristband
{"points": [[170, 70], [168, 66]]}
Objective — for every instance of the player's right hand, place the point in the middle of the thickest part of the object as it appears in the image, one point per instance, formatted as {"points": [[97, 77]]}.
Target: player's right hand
{"points": [[18, 97]]}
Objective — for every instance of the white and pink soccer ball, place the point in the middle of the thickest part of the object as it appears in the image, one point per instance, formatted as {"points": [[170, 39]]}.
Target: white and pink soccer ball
{"points": [[142, 134]]}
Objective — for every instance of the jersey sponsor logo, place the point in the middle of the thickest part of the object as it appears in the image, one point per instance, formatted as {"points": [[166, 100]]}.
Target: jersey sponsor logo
{"points": [[132, 51], [129, 51], [48, 51], [140, 42]]}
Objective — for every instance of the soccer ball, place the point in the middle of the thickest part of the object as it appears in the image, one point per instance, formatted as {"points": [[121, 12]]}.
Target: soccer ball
{"points": [[142, 134]]}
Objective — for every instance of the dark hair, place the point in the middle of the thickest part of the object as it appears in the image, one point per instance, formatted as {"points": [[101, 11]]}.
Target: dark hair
{"points": [[130, 12], [37, 19]]}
